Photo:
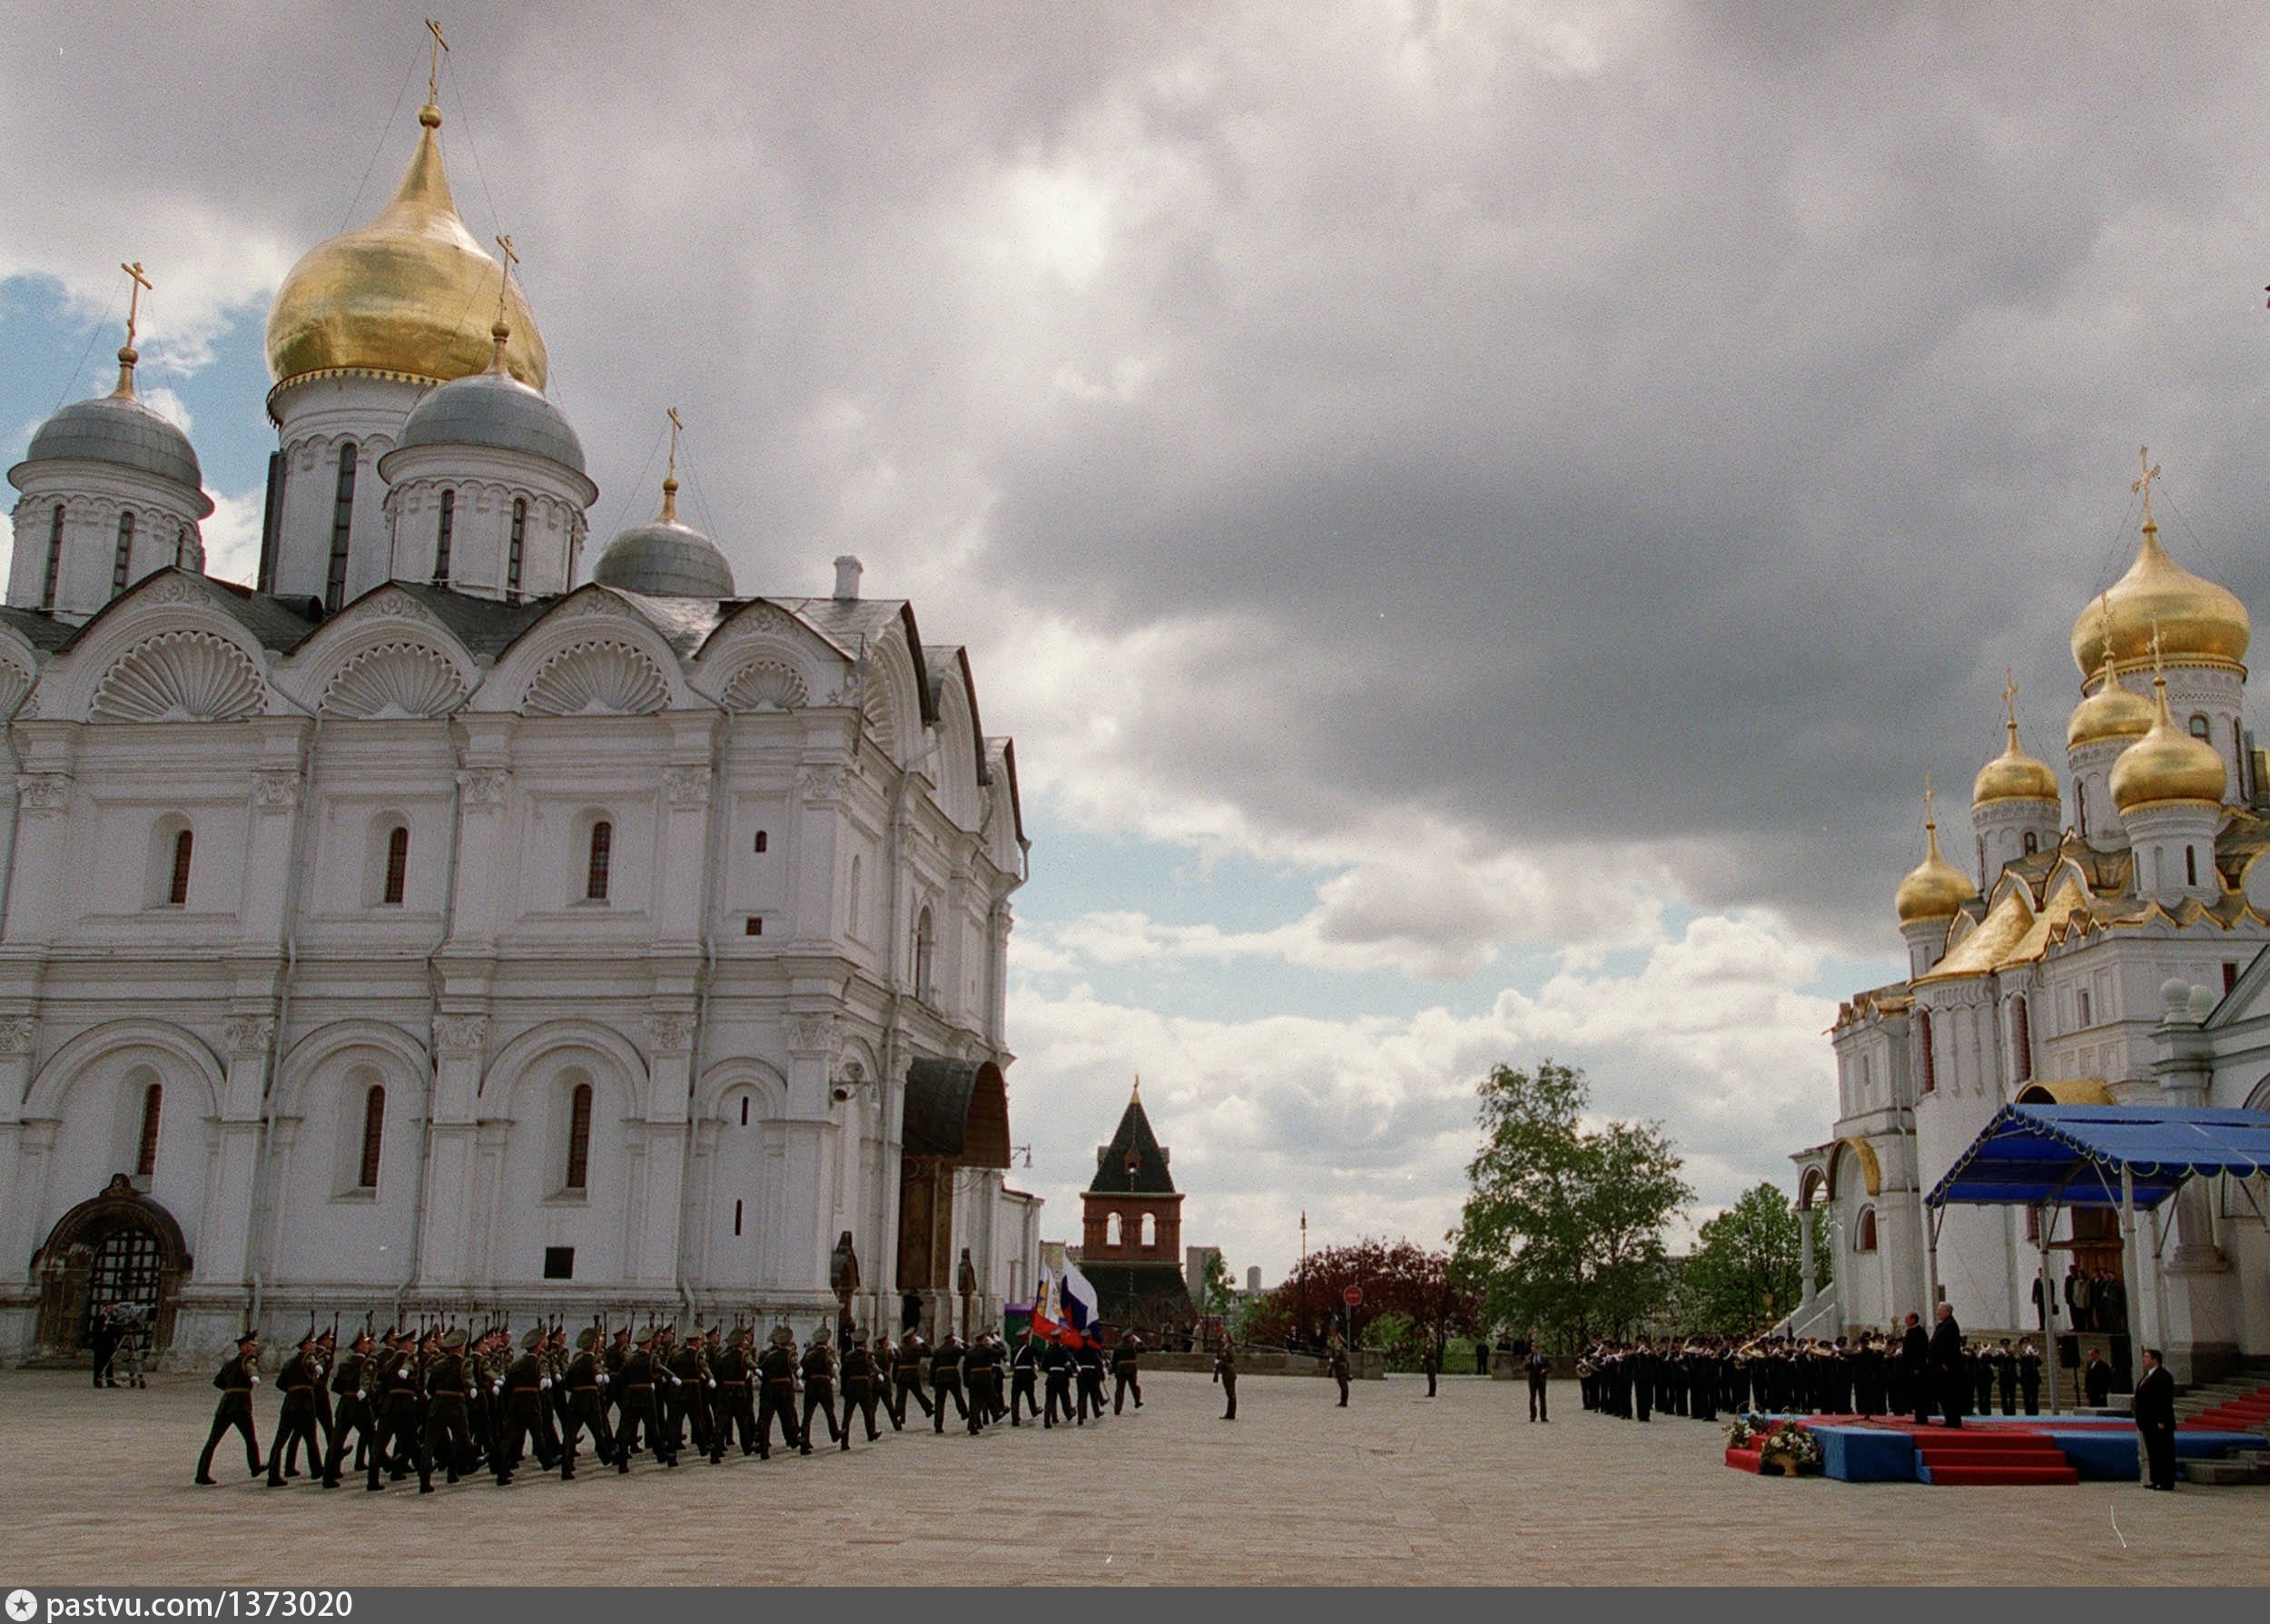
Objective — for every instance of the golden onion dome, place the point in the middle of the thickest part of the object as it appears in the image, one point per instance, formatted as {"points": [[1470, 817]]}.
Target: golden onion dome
{"points": [[1936, 889], [2113, 712], [2014, 775], [2197, 620], [2167, 763], [410, 295]]}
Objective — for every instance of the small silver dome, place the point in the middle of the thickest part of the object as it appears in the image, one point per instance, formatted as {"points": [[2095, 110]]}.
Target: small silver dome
{"points": [[665, 559], [120, 430], [492, 409]]}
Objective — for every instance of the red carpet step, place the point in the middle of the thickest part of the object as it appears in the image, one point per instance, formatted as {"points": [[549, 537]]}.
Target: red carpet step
{"points": [[1981, 1455]]}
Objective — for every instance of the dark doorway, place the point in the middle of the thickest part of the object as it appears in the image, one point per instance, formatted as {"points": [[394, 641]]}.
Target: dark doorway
{"points": [[119, 1247]]}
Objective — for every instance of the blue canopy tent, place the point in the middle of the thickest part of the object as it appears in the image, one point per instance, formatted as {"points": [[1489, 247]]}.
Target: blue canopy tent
{"points": [[2123, 1157]]}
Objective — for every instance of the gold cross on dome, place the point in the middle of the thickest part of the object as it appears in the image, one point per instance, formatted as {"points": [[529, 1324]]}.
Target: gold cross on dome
{"points": [[2143, 486], [1930, 811], [675, 427], [2010, 696], [504, 285], [133, 299], [433, 73]]}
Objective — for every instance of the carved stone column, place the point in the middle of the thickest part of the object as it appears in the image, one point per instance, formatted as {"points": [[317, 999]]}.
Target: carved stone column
{"points": [[460, 1042], [653, 1244]]}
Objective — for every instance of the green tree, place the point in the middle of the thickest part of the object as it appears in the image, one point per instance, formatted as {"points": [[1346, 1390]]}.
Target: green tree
{"points": [[1563, 1227], [1745, 1273], [1216, 1294]]}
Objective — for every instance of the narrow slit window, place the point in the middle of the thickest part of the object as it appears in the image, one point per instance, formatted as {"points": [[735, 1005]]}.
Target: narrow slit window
{"points": [[761, 842], [373, 1136], [518, 550], [343, 526], [442, 536], [177, 890], [397, 864], [595, 875], [123, 560], [737, 1217], [54, 559], [2191, 865], [745, 1110], [146, 1152], [579, 1136]]}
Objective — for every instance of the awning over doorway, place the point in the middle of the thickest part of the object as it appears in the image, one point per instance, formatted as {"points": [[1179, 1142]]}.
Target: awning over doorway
{"points": [[2075, 1155], [960, 1109]]}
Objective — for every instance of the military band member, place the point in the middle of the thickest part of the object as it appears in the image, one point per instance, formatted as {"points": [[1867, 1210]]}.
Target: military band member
{"points": [[945, 1381], [906, 1374], [777, 1396], [819, 1388], [238, 1375], [1024, 1373], [299, 1379], [2030, 1377], [862, 1385], [1126, 1378]]}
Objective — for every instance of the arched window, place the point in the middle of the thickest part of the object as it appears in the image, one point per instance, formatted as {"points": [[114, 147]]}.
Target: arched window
{"points": [[373, 1136], [2033, 842], [1112, 1229], [123, 558], [442, 538], [578, 1136], [177, 888], [397, 865], [2199, 727], [517, 550], [2191, 865], [2021, 1041], [761, 842], [54, 559], [1864, 1233], [925, 954], [146, 1151], [342, 525], [1926, 1066], [1150, 1229], [596, 868]]}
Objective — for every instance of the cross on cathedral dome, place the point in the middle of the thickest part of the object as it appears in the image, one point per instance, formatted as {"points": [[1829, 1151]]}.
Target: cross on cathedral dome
{"points": [[2197, 622]]}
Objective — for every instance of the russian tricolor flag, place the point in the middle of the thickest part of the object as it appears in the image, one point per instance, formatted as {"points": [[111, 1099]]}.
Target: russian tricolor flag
{"points": [[1065, 1306]]}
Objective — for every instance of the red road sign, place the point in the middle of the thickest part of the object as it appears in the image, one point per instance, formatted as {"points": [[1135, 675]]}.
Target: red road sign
{"points": [[1352, 1295]]}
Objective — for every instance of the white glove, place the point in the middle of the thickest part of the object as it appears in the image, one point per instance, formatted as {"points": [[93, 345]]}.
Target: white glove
{"points": [[712, 1381], [496, 1387], [545, 1385], [403, 1372], [256, 1381], [602, 1378]]}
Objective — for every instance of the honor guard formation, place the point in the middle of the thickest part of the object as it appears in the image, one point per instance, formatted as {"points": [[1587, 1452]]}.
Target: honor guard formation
{"points": [[1897, 1373], [448, 1400]]}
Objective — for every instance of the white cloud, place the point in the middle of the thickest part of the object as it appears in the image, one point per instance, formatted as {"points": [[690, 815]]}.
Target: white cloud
{"points": [[233, 535]]}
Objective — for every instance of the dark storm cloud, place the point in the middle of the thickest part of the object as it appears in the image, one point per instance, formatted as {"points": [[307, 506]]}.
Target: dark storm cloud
{"points": [[1653, 426]]}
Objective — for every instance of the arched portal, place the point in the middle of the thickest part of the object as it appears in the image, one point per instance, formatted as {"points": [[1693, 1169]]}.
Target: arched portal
{"points": [[120, 1247]]}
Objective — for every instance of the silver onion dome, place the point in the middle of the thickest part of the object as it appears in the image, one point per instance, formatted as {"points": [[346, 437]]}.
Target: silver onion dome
{"points": [[496, 409], [117, 430], [665, 558]]}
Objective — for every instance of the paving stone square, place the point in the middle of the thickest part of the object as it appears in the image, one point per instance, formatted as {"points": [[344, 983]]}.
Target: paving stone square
{"points": [[1395, 1490]]}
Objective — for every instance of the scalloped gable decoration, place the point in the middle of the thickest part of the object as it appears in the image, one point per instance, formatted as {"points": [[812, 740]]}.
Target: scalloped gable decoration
{"points": [[179, 676], [396, 680], [766, 686], [597, 678]]}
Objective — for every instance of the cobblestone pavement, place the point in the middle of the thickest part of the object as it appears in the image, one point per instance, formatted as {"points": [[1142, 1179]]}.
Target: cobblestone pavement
{"points": [[1395, 1490]]}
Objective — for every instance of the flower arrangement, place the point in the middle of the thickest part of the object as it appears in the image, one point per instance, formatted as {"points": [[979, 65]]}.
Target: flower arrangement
{"points": [[1747, 1430], [1791, 1448]]}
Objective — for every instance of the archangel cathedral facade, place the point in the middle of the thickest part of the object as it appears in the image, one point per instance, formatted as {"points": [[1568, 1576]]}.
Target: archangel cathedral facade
{"points": [[435, 926], [2096, 939]]}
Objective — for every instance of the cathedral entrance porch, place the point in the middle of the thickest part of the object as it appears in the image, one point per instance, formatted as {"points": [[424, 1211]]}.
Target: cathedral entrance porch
{"points": [[118, 1249]]}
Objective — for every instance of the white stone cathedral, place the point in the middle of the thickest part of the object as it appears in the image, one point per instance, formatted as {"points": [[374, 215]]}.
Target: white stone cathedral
{"points": [[418, 929], [2110, 957]]}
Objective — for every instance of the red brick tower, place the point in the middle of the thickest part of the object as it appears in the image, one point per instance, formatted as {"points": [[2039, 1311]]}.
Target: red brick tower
{"points": [[1130, 1244]]}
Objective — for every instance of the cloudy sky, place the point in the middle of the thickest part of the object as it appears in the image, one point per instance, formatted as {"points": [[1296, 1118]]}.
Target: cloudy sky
{"points": [[1479, 518]]}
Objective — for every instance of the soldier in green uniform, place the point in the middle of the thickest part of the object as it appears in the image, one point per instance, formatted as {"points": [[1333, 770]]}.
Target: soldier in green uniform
{"points": [[238, 1375], [586, 1385], [351, 1412], [819, 1388], [733, 1410], [398, 1445], [1126, 1377], [689, 1395], [449, 1388], [1339, 1367], [906, 1374], [521, 1426], [862, 1387], [945, 1381], [639, 1379], [299, 1379], [1226, 1373], [983, 1378], [611, 1361], [887, 1358], [777, 1397]]}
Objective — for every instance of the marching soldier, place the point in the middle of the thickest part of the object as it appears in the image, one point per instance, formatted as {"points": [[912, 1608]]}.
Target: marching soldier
{"points": [[984, 1382], [819, 1390], [350, 1393], [1057, 1366], [862, 1382], [299, 1379], [1024, 1373], [399, 1444], [1226, 1373], [521, 1426], [611, 1363], [1125, 1377], [238, 1375], [326, 1424], [689, 1394], [777, 1397], [945, 1379], [907, 1375], [1087, 1373], [731, 1368], [639, 1407], [449, 1388], [886, 1357], [587, 1385]]}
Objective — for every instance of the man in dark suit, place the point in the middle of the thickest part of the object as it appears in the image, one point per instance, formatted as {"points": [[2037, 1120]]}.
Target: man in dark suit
{"points": [[2155, 1411], [1949, 1377], [1915, 1360], [2097, 1380]]}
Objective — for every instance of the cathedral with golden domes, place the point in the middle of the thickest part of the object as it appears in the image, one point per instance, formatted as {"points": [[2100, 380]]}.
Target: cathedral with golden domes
{"points": [[2099, 940], [434, 925]]}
